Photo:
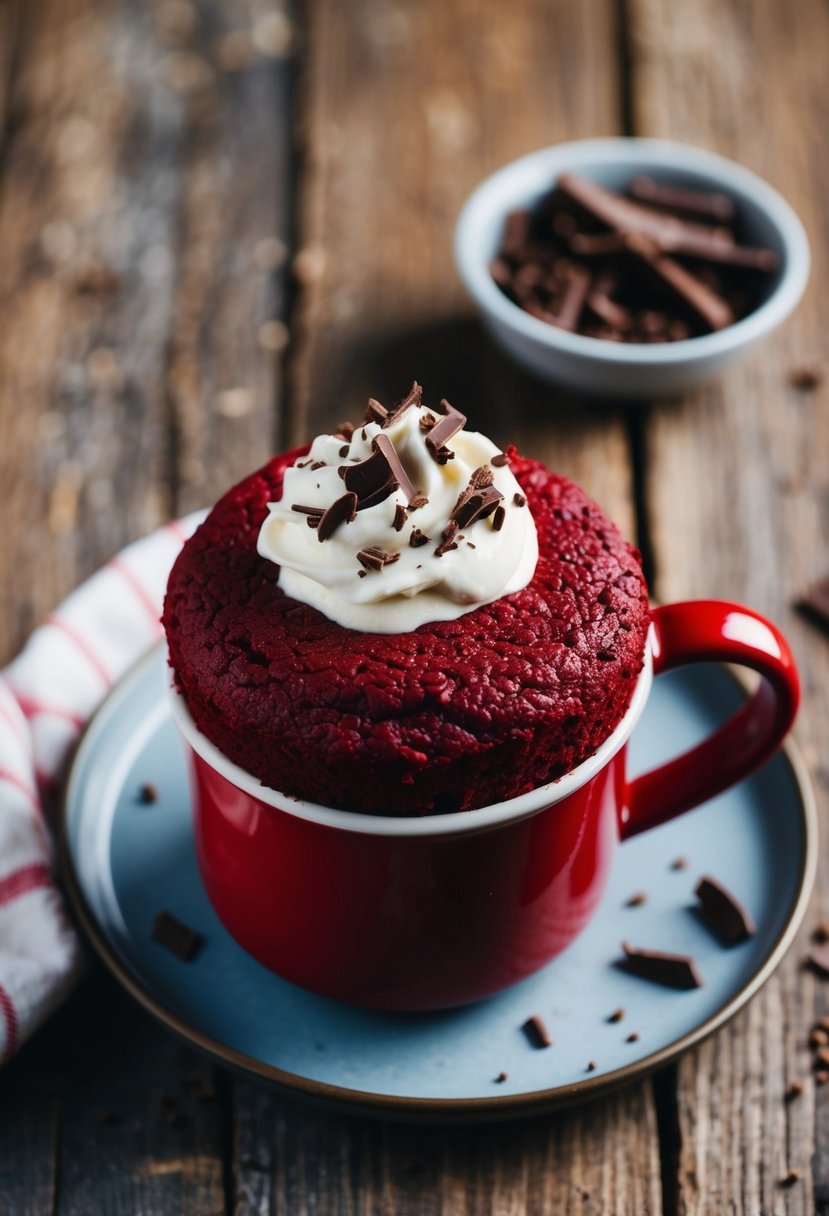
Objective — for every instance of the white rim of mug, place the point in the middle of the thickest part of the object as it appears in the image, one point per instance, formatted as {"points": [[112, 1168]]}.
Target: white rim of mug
{"points": [[454, 823], [473, 260]]}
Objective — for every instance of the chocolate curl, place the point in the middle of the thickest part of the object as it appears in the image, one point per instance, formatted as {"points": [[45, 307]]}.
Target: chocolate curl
{"points": [[383, 444], [342, 511]]}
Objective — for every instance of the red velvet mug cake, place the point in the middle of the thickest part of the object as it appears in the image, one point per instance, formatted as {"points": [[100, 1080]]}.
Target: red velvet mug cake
{"points": [[407, 664]]}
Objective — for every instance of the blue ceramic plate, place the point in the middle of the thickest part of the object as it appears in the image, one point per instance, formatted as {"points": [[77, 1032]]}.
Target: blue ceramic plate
{"points": [[125, 861]]}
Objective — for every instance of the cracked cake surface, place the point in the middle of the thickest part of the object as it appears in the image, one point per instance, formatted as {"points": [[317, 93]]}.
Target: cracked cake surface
{"points": [[453, 715]]}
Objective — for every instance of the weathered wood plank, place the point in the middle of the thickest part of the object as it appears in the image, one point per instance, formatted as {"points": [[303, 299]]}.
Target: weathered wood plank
{"points": [[298, 1161], [405, 108], [737, 493]]}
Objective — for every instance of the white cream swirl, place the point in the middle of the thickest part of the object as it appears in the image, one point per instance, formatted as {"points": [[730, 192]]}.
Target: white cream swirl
{"points": [[419, 585]]}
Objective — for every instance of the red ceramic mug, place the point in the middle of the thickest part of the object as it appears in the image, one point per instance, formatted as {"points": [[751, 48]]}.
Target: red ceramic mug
{"points": [[426, 913]]}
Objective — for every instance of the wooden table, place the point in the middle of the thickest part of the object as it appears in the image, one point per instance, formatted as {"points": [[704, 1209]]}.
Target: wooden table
{"points": [[224, 225]]}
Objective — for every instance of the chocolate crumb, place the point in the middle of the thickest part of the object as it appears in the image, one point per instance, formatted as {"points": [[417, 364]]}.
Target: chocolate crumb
{"points": [[502, 1076], [361, 573], [344, 430], [375, 412], [419, 500], [177, 937], [724, 915], [808, 377], [679, 863], [318, 464], [448, 542], [400, 517], [636, 900], [819, 959], [147, 794], [672, 970], [536, 1031], [591, 1066], [471, 546], [794, 1091], [498, 518], [427, 421], [373, 558], [616, 1015], [633, 1037], [500, 460], [417, 538], [791, 1178], [519, 500]]}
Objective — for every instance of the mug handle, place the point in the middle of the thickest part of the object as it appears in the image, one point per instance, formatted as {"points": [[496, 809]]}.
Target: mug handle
{"points": [[701, 631]]}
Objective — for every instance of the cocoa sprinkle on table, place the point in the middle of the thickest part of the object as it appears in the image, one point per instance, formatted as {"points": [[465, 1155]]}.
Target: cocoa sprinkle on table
{"points": [[536, 1031]]}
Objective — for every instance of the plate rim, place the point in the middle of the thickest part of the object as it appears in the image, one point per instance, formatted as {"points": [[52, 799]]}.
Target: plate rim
{"points": [[497, 1107]]}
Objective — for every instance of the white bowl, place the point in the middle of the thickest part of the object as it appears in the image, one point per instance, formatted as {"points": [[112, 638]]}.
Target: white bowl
{"points": [[612, 369]]}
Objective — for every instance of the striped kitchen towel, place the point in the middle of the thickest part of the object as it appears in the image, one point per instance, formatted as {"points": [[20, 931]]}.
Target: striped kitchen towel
{"points": [[46, 696]]}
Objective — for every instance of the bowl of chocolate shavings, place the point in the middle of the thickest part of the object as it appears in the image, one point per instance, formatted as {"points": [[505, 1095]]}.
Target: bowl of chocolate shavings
{"points": [[629, 267]]}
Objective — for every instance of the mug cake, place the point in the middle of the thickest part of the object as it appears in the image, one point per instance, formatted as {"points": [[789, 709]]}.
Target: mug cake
{"points": [[404, 619]]}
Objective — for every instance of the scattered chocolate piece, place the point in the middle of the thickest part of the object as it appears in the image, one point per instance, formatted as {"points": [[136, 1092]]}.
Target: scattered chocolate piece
{"points": [[519, 500], [498, 519], [724, 915], [400, 517], [591, 1066], [417, 538], [791, 1178], [427, 421], [448, 542], [808, 377], [478, 500], [637, 900], [413, 397], [819, 958], [342, 511], [536, 1031], [361, 573], [821, 932], [815, 603], [698, 204], [794, 1091], [616, 1015], [633, 1037], [500, 460], [147, 794], [375, 412], [448, 425], [318, 464], [313, 512], [672, 970], [679, 863], [373, 558], [177, 937], [502, 1076], [372, 480], [401, 477], [344, 450], [419, 500]]}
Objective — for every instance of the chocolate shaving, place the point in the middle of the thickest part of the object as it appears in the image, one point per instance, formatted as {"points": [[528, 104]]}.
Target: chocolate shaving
{"points": [[413, 397], [344, 430], [500, 460], [375, 412], [373, 558], [537, 1032], [419, 500], [427, 421], [342, 511], [371, 480], [318, 464], [418, 538], [448, 425], [724, 915], [344, 450], [175, 936], [448, 542], [672, 970], [313, 512], [400, 517], [698, 204], [478, 500], [383, 444], [498, 519]]}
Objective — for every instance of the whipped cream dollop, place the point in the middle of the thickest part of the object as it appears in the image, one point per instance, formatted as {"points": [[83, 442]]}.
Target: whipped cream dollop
{"points": [[408, 519]]}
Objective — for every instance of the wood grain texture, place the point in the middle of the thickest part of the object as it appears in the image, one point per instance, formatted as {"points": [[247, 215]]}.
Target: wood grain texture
{"points": [[737, 492], [600, 1160], [406, 108], [141, 203]]}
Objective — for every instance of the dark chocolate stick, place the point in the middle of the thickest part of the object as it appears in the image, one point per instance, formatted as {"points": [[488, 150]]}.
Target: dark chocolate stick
{"points": [[725, 916], [678, 283], [572, 302], [175, 936], [672, 970], [699, 204], [385, 445]]}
